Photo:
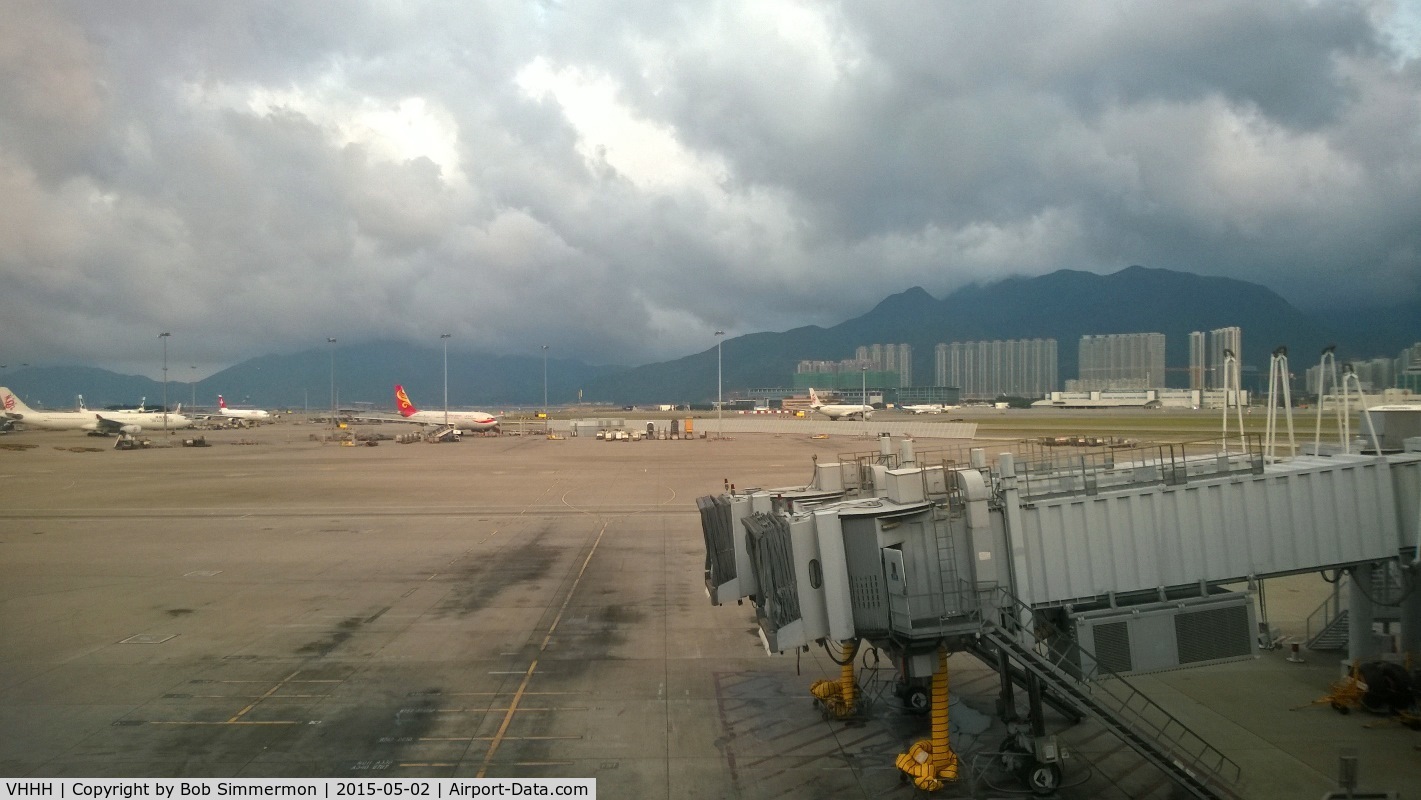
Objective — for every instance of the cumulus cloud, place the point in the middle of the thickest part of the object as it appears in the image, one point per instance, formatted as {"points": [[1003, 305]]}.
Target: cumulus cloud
{"points": [[619, 179]]}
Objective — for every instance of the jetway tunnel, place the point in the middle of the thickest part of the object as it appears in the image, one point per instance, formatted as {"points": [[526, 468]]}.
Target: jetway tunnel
{"points": [[1064, 574]]}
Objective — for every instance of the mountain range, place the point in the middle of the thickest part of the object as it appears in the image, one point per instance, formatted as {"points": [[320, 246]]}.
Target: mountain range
{"points": [[1063, 305]]}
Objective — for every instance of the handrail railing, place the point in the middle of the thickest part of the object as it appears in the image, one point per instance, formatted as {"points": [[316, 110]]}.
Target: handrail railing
{"points": [[1330, 608], [1050, 471], [1191, 757], [1167, 464]]}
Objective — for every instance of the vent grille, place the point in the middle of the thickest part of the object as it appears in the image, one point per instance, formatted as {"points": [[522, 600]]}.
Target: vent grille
{"points": [[1112, 647], [1214, 633], [865, 593]]}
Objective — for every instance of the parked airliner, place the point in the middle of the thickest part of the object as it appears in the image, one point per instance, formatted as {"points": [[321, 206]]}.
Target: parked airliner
{"points": [[838, 410], [929, 408], [468, 420], [240, 413], [91, 421]]}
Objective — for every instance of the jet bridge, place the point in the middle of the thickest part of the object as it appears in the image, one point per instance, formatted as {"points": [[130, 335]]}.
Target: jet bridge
{"points": [[1061, 572]]}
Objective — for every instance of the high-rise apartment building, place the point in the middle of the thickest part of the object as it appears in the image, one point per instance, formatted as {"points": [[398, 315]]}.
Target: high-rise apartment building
{"points": [[1376, 374], [889, 358], [1222, 339], [1408, 369], [1121, 361], [1198, 359], [985, 370]]}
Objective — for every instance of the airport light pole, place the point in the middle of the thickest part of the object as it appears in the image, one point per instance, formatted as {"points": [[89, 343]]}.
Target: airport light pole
{"points": [[546, 427], [719, 399], [863, 372], [444, 337], [193, 385], [164, 338], [331, 341]]}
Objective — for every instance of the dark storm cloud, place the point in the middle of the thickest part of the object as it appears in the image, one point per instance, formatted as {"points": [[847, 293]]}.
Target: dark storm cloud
{"points": [[619, 179]]}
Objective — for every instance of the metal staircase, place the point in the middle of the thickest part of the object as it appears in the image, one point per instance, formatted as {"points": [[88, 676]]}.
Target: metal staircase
{"points": [[1110, 701], [1328, 624], [1333, 636]]}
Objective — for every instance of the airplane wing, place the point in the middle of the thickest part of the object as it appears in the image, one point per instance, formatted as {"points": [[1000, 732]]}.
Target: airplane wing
{"points": [[110, 425], [380, 418]]}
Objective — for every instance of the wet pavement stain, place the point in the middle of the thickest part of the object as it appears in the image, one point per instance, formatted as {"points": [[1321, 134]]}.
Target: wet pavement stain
{"points": [[479, 582], [321, 649]]}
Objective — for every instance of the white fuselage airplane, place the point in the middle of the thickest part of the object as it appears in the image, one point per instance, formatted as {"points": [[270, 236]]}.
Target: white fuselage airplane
{"points": [[467, 420], [839, 410], [930, 408], [240, 413], [85, 420]]}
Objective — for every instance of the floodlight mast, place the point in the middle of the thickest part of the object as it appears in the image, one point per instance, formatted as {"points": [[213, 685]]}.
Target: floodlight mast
{"points": [[719, 397], [164, 338], [331, 341], [445, 338]]}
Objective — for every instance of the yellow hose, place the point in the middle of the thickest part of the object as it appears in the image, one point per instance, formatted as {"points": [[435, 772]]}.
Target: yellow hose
{"points": [[931, 762], [839, 697]]}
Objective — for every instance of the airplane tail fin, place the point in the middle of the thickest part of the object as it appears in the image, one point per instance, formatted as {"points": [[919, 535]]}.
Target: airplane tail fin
{"points": [[220, 402], [11, 402], [814, 398], [402, 402], [82, 407]]}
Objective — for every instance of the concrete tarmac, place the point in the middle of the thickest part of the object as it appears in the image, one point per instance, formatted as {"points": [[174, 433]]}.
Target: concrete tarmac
{"points": [[500, 607]]}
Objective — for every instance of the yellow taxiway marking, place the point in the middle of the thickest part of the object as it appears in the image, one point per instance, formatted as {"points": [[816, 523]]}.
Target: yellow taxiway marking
{"points": [[510, 709], [422, 764], [231, 722], [304, 680], [528, 675], [490, 738], [269, 693], [257, 696]]}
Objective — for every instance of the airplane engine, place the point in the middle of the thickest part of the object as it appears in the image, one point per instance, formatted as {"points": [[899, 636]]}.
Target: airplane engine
{"points": [[108, 428]]}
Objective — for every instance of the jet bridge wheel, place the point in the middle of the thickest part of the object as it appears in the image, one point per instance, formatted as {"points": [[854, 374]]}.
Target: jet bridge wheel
{"points": [[916, 699], [1043, 779]]}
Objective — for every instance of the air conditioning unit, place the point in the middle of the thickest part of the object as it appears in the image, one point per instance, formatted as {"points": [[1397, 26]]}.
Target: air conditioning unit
{"points": [[1157, 636]]}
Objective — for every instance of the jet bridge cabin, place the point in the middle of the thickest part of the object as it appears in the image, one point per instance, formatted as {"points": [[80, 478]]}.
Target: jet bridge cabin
{"points": [[900, 566], [857, 569]]}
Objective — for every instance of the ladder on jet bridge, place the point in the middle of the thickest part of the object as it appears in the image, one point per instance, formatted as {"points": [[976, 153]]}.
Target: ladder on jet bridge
{"points": [[1143, 725]]}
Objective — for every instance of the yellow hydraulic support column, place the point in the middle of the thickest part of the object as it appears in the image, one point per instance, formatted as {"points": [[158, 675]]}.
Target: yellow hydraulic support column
{"points": [[839, 698], [931, 762]]}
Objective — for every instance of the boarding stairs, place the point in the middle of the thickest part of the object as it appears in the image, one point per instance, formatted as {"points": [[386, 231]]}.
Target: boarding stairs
{"points": [[1111, 702], [443, 433]]}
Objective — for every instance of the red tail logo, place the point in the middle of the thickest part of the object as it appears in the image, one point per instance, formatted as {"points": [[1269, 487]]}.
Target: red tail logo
{"points": [[9, 402], [220, 402], [402, 402]]}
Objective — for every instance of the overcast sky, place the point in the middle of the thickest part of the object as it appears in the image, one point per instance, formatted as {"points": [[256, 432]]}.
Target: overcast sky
{"points": [[618, 180]]}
